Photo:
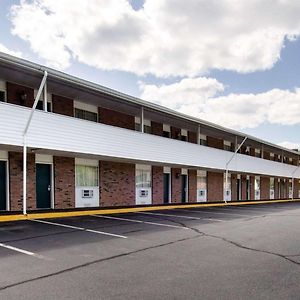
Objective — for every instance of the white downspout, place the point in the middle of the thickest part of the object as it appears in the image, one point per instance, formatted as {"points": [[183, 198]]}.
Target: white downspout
{"points": [[25, 142], [227, 164], [142, 119]]}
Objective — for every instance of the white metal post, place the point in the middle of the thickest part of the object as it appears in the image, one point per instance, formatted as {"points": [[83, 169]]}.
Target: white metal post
{"points": [[198, 134], [293, 180], [25, 142], [227, 164], [142, 119], [45, 98]]}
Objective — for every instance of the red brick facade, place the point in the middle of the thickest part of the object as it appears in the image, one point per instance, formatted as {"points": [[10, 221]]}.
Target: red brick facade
{"points": [[233, 187], [215, 183], [62, 105], [157, 185], [16, 181], [264, 188], [176, 185], [20, 95], [64, 181], [157, 128], [115, 118], [215, 143], [117, 184], [192, 183], [192, 137]]}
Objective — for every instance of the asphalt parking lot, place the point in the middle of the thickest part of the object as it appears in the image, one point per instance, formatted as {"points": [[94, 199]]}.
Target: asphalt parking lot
{"points": [[235, 252]]}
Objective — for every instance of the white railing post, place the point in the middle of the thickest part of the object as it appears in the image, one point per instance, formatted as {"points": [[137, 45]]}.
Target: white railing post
{"points": [[227, 164], [25, 142]]}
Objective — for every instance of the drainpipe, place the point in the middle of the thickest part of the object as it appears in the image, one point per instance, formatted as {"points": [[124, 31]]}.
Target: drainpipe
{"points": [[142, 119], [25, 142], [229, 161]]}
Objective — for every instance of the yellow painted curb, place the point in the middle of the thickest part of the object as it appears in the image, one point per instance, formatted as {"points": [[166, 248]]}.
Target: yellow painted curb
{"points": [[50, 215]]}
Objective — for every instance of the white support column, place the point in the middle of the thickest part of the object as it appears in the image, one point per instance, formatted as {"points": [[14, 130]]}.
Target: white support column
{"points": [[25, 142], [45, 97], [142, 119], [293, 179], [198, 134], [227, 164]]}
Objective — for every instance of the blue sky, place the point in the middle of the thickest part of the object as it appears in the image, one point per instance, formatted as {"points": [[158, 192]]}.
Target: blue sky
{"points": [[227, 71]]}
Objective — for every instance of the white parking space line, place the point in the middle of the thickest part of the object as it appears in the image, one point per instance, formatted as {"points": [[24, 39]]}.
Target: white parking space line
{"points": [[139, 221], [213, 212], [179, 216], [20, 250], [81, 228]]}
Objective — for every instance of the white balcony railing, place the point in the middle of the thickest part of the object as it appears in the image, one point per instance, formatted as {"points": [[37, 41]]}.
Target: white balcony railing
{"points": [[66, 134]]}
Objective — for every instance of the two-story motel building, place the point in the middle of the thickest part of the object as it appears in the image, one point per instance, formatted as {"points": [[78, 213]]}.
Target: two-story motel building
{"points": [[90, 146]]}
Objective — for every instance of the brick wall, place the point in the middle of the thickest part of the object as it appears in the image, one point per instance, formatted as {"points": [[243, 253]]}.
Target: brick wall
{"points": [[62, 105], [282, 189], [14, 92], [215, 143], [214, 186], [233, 187], [64, 182], [192, 185], [264, 188], [117, 184], [157, 128], [175, 133], [157, 185], [16, 181], [114, 118], [276, 189], [176, 185], [192, 137], [266, 155], [296, 188]]}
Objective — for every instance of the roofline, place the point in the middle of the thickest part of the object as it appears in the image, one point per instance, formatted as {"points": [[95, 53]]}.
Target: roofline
{"points": [[97, 87]]}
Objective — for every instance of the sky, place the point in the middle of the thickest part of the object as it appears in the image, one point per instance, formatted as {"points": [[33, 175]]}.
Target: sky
{"points": [[231, 62]]}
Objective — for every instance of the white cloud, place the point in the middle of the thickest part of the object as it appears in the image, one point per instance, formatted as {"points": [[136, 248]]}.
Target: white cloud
{"points": [[8, 51], [165, 37], [290, 145], [198, 97]]}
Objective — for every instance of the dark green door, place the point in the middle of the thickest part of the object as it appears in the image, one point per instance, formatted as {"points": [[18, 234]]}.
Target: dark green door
{"points": [[2, 185], [183, 187], [43, 186], [166, 187]]}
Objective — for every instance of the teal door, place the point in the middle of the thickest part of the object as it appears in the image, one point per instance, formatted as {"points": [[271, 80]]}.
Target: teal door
{"points": [[43, 186], [2, 185]]}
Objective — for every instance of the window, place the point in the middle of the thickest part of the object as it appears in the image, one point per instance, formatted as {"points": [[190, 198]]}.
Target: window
{"points": [[183, 135], [257, 153], [86, 176], [86, 115], [201, 180], [227, 146], [272, 157], [203, 140], [147, 126], [143, 176], [2, 96], [40, 106], [272, 183], [166, 131]]}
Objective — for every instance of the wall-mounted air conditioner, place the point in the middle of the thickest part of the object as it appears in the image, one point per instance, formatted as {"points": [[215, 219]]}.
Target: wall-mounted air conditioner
{"points": [[144, 193], [87, 193]]}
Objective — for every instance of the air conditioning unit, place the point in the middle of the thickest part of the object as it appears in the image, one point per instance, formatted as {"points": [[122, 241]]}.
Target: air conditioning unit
{"points": [[144, 193], [87, 193]]}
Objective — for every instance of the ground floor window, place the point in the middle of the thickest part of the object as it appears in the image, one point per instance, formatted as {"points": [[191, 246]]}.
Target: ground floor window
{"points": [[86, 175]]}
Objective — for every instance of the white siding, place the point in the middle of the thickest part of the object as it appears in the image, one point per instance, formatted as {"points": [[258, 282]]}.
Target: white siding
{"points": [[61, 133]]}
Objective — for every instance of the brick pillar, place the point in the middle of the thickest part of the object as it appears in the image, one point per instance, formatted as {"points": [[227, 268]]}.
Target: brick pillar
{"points": [[252, 188], [64, 181], [215, 143], [176, 185], [117, 184], [233, 187], [192, 137], [16, 181], [156, 128], [244, 187], [276, 189], [115, 118], [264, 188], [296, 189], [62, 105], [192, 181], [215, 183], [175, 133], [157, 185], [266, 155], [14, 92]]}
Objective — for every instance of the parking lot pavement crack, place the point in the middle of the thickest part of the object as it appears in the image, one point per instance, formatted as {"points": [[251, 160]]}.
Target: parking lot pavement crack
{"points": [[94, 262], [205, 234]]}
